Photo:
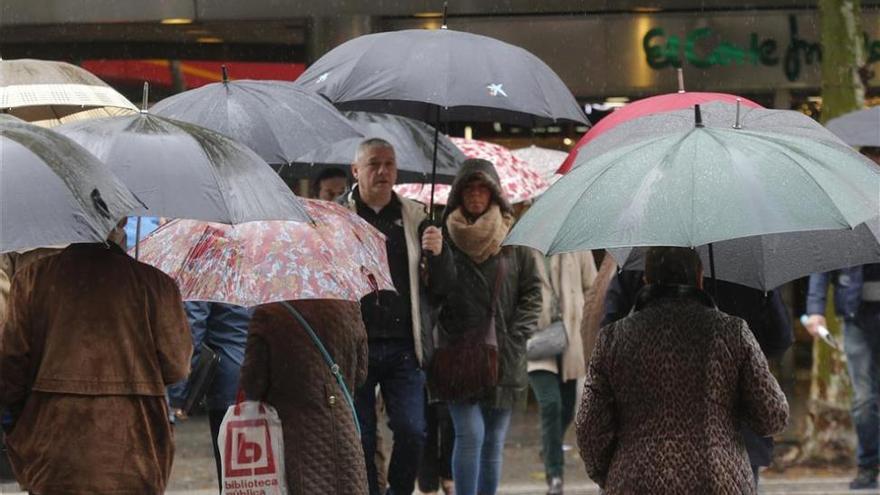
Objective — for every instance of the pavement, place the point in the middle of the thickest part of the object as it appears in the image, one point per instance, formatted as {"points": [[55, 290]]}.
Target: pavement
{"points": [[194, 472]]}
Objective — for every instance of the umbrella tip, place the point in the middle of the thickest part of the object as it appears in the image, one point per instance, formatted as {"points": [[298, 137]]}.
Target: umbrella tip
{"points": [[737, 124], [680, 73], [146, 97], [445, 10], [698, 117], [225, 74]]}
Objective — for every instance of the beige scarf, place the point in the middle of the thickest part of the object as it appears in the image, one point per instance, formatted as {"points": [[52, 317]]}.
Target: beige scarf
{"points": [[481, 239]]}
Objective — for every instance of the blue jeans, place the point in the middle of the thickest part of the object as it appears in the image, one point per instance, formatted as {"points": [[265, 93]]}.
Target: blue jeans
{"points": [[394, 367], [861, 340], [479, 442]]}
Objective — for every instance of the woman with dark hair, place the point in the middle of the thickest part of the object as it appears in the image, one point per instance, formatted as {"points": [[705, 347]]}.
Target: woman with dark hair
{"points": [[668, 386], [498, 297]]}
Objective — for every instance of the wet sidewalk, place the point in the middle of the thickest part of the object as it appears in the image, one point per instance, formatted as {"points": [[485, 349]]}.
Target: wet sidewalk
{"points": [[194, 472]]}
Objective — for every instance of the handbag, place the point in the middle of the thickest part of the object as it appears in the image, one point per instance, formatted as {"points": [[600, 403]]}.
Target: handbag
{"points": [[201, 378], [551, 340], [251, 445], [465, 366]]}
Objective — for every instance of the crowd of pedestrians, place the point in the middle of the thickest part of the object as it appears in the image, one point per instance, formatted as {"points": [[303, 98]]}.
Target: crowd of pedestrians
{"points": [[96, 348]]}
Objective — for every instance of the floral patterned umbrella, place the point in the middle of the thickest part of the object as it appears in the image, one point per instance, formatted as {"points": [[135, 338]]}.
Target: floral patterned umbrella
{"points": [[546, 161], [339, 256], [519, 181]]}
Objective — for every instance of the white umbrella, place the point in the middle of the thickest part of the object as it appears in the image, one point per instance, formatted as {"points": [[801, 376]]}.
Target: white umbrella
{"points": [[49, 93]]}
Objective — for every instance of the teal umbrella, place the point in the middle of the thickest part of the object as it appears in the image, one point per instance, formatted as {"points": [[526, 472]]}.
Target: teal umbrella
{"points": [[695, 177]]}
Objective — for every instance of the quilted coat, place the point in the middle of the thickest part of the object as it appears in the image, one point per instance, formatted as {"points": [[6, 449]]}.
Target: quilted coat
{"points": [[665, 390], [322, 450]]}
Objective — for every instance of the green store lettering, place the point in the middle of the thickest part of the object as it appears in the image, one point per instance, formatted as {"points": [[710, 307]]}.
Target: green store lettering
{"points": [[662, 50]]}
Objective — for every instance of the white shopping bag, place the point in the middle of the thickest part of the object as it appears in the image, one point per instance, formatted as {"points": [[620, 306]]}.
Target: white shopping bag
{"points": [[252, 450]]}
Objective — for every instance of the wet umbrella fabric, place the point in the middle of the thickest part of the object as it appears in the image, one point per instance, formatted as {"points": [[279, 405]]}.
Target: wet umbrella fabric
{"points": [[441, 75], [413, 143], [182, 170], [518, 180], [274, 118], [676, 184], [766, 262], [649, 106], [544, 160], [339, 256], [861, 128], [52, 191], [49, 93]]}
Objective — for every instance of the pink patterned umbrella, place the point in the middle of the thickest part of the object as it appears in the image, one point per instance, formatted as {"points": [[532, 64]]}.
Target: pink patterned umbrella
{"points": [[339, 256], [519, 181]]}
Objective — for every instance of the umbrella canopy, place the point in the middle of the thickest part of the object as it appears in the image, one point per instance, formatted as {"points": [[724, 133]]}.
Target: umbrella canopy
{"points": [[339, 256], [649, 106], [49, 93], [519, 181], [274, 118], [52, 191], [544, 160], [441, 76], [182, 170], [768, 261], [413, 143], [662, 180], [860, 128]]}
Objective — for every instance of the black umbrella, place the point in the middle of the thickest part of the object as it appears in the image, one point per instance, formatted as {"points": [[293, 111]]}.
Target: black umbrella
{"points": [[413, 143], [186, 171], [439, 76], [442, 76], [52, 191], [274, 118]]}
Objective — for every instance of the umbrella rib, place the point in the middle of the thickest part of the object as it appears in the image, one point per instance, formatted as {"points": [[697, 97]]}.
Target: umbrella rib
{"points": [[808, 174]]}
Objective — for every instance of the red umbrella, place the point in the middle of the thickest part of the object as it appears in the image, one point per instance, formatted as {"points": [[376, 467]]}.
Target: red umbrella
{"points": [[648, 106], [339, 256], [519, 181]]}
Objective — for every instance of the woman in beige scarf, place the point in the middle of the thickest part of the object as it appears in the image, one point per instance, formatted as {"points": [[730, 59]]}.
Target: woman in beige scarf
{"points": [[477, 219]]}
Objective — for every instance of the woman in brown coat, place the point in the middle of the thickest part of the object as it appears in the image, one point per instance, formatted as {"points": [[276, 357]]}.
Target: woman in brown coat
{"points": [[283, 367], [667, 387]]}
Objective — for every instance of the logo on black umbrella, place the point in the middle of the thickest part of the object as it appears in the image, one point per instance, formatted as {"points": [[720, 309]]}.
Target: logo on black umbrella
{"points": [[496, 90]]}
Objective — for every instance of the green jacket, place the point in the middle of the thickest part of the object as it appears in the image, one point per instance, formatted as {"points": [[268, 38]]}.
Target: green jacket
{"points": [[519, 307]]}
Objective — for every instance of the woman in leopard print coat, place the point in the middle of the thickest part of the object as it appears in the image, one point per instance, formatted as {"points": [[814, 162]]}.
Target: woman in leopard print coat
{"points": [[667, 386]]}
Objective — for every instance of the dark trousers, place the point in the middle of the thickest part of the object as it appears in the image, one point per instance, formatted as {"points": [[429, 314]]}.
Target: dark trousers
{"points": [[556, 400], [394, 368], [215, 418], [437, 455]]}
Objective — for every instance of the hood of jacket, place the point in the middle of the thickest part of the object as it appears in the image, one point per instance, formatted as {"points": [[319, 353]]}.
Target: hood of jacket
{"points": [[476, 168]]}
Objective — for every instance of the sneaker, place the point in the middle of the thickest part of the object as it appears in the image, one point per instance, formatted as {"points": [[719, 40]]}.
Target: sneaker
{"points": [[866, 479], [554, 486]]}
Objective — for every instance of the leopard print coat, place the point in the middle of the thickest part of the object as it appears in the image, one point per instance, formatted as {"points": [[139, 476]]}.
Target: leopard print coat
{"points": [[665, 390]]}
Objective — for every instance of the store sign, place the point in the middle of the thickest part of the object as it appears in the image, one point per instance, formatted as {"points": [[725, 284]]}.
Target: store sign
{"points": [[662, 50]]}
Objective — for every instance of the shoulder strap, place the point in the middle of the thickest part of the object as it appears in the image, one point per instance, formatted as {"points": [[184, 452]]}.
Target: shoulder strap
{"points": [[334, 368]]}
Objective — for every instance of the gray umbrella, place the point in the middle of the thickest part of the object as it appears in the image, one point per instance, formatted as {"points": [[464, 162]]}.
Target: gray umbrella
{"points": [[274, 118], [768, 261], [861, 128], [413, 143], [52, 191], [182, 170], [442, 76]]}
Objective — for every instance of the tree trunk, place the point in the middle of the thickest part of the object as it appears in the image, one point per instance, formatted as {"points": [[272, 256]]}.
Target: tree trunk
{"points": [[828, 432]]}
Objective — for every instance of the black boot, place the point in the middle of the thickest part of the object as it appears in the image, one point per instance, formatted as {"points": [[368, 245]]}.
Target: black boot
{"points": [[865, 479]]}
